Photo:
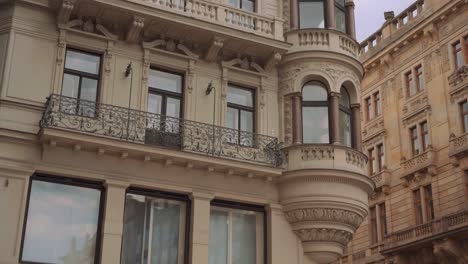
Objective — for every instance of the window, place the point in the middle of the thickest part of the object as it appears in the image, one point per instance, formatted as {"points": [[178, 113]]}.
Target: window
{"points": [[424, 136], [315, 113], [237, 234], [428, 202], [464, 115], [241, 115], [248, 5], [345, 117], [80, 83], [410, 84], [340, 15], [368, 104], [371, 156], [383, 219], [457, 54], [155, 227], [414, 140], [165, 108], [62, 221], [419, 78], [373, 224], [418, 206], [377, 104], [380, 157], [311, 14]]}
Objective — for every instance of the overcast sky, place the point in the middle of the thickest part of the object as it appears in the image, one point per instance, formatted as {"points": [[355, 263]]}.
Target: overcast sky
{"points": [[370, 17]]}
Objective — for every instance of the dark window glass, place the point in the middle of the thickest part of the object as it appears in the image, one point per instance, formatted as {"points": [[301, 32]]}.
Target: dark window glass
{"points": [[340, 15], [372, 165], [240, 115], [414, 140], [429, 202], [410, 84], [424, 135], [383, 219], [419, 78], [248, 5], [458, 55], [380, 157], [369, 112], [154, 229], [315, 113], [377, 104], [62, 221], [80, 83], [464, 115], [345, 117], [373, 224], [418, 206], [311, 14]]}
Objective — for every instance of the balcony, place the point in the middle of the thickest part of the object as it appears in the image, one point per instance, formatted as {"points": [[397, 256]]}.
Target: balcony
{"points": [[427, 232], [458, 82], [382, 180], [322, 40], [419, 165], [138, 127]]}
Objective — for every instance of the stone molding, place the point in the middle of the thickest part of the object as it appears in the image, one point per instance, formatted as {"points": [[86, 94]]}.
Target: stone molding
{"points": [[324, 235], [324, 215], [318, 152]]}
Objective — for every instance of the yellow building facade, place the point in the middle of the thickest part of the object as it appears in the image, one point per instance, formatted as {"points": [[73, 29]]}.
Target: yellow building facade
{"points": [[196, 131], [414, 123]]}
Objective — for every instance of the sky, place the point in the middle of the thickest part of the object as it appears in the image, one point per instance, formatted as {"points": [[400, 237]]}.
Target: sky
{"points": [[370, 14]]}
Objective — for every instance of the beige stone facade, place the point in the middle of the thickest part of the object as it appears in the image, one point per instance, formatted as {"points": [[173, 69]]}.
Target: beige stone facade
{"points": [[414, 126], [136, 131]]}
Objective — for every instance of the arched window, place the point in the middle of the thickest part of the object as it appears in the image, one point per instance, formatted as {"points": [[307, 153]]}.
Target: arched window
{"points": [[315, 113], [345, 117], [311, 14]]}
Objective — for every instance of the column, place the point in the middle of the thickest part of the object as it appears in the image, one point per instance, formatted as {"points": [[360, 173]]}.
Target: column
{"points": [[113, 222], [356, 126], [330, 14], [297, 118], [200, 227], [350, 20], [294, 14], [334, 116]]}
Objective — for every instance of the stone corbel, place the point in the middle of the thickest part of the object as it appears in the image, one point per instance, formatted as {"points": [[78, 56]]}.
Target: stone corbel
{"points": [[431, 31], [274, 59], [214, 49], [65, 11], [133, 33], [387, 60]]}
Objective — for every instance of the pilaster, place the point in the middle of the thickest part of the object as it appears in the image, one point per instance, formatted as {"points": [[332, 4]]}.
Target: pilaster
{"points": [[200, 235]]}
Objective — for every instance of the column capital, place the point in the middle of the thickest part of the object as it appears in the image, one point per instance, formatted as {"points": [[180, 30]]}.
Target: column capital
{"points": [[356, 105], [198, 195], [350, 4], [334, 94]]}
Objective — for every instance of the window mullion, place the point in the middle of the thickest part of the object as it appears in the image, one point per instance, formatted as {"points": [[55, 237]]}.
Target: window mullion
{"points": [[229, 242]]}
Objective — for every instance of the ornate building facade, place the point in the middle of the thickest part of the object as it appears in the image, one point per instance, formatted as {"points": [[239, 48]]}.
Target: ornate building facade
{"points": [[183, 131], [415, 124]]}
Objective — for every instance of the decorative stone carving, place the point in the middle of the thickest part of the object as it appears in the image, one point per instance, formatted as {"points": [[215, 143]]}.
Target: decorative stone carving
{"points": [[133, 33], [458, 76], [89, 25], [287, 102], [65, 11], [213, 51], [324, 234], [324, 215], [356, 158], [244, 64], [172, 46], [372, 129], [317, 152]]}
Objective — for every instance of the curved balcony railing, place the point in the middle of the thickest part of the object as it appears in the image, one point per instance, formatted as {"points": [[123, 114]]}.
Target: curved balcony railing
{"points": [[317, 39], [153, 129]]}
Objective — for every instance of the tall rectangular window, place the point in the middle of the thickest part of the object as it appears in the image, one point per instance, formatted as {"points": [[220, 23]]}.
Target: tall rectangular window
{"points": [[340, 15], [241, 115], [419, 78], [155, 225], [311, 14], [429, 202], [80, 85], [457, 54], [237, 234], [424, 135], [410, 89], [63, 221], [380, 157], [418, 206], [368, 106], [248, 5], [377, 104], [414, 140], [383, 219], [373, 225], [371, 156], [464, 115]]}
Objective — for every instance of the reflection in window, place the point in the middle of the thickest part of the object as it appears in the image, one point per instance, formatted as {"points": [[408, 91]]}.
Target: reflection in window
{"points": [[240, 115], [248, 5], [80, 82], [311, 14], [345, 117], [340, 15], [315, 113], [154, 229], [236, 236], [62, 221]]}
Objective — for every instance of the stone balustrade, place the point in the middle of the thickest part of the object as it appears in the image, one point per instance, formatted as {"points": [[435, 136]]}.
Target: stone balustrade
{"points": [[322, 40], [382, 180], [459, 76], [223, 15], [458, 145], [425, 161], [431, 229]]}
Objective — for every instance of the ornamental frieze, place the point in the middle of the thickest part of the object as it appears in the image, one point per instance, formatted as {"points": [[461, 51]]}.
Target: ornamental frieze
{"points": [[324, 234], [324, 215], [321, 152]]}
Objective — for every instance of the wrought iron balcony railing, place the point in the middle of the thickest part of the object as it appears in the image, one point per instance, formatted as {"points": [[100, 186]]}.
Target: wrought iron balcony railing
{"points": [[153, 129]]}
